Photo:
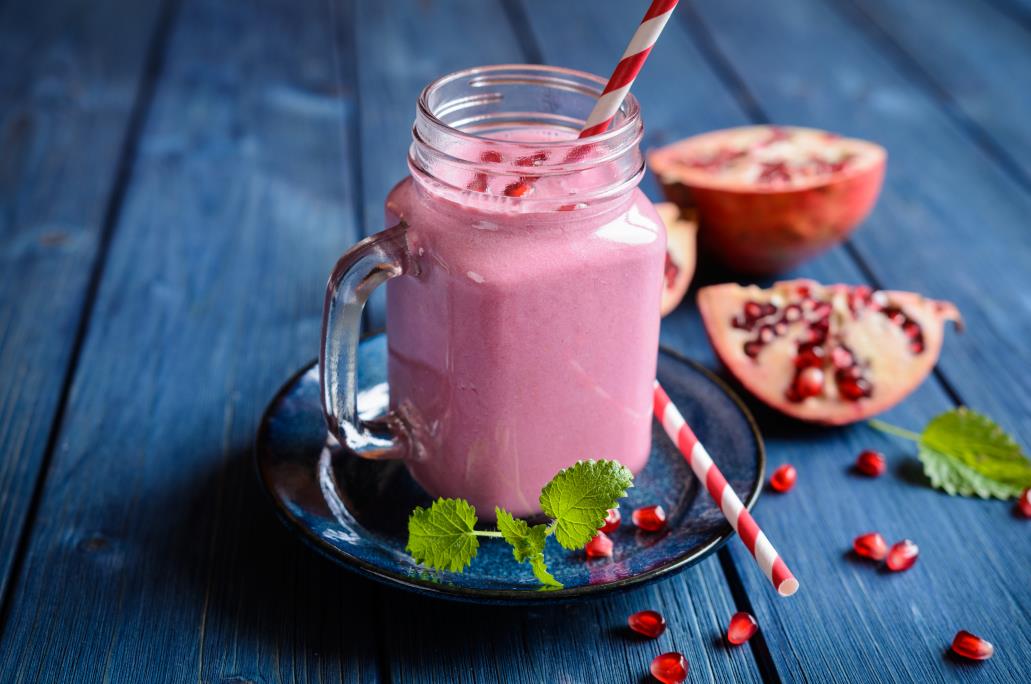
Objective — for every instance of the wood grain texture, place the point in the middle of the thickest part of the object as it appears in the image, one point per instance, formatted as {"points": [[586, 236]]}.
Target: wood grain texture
{"points": [[155, 557], [66, 99], [974, 60]]}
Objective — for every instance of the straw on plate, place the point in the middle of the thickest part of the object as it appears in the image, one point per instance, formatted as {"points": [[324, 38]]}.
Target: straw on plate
{"points": [[723, 494], [672, 421]]}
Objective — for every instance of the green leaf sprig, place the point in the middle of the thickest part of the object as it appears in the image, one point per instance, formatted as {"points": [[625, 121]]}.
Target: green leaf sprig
{"points": [[577, 499], [966, 453]]}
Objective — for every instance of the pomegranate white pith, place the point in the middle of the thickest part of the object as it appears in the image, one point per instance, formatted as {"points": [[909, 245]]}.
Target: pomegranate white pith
{"points": [[831, 354], [769, 197]]}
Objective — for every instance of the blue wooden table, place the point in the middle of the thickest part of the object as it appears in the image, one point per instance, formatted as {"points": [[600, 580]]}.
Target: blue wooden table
{"points": [[177, 178]]}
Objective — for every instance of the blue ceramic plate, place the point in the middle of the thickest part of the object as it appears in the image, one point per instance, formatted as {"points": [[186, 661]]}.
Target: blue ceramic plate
{"points": [[355, 511]]}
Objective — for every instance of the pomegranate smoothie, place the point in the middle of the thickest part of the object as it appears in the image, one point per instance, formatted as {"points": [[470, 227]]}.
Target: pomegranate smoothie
{"points": [[524, 340], [524, 273]]}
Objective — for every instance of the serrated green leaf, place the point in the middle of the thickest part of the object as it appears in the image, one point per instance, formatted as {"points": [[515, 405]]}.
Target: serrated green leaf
{"points": [[441, 536], [526, 541], [964, 452], [540, 571], [527, 544], [579, 497]]}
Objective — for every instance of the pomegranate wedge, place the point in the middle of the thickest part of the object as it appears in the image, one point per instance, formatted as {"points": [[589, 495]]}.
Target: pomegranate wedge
{"points": [[831, 354]]}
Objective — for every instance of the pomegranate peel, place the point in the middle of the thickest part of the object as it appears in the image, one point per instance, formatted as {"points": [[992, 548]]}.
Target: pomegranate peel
{"points": [[770, 197], [845, 353], [681, 232]]}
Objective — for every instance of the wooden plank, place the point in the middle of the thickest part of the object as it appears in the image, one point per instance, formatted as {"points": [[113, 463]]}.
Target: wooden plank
{"points": [[155, 557], [975, 59], [67, 93], [805, 65], [404, 49]]}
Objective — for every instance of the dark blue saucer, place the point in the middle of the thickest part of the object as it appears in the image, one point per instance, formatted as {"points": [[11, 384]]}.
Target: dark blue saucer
{"points": [[355, 511]]}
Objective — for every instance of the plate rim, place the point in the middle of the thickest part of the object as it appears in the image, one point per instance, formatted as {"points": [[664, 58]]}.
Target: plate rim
{"points": [[507, 596]]}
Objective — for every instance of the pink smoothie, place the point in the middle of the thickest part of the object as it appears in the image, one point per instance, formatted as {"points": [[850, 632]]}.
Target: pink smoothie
{"points": [[525, 340]]}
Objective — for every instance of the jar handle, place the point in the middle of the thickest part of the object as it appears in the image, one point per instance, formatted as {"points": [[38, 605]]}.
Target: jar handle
{"points": [[359, 271]]}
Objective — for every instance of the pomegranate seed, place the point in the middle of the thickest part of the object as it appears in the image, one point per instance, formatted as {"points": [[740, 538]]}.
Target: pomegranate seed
{"points": [[792, 313], [739, 322], [518, 189], [753, 310], [753, 348], [769, 309], [742, 627], [911, 328], [902, 556], [1024, 503], [612, 520], [809, 355], [870, 545], [766, 334], [841, 357], [649, 518], [535, 159], [916, 346], [599, 547], [971, 646], [783, 478], [491, 156], [649, 623], [809, 382], [780, 328], [803, 291], [871, 463], [855, 389], [669, 668], [478, 183]]}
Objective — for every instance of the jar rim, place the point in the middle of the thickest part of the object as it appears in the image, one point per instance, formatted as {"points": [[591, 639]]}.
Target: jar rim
{"points": [[489, 75]]}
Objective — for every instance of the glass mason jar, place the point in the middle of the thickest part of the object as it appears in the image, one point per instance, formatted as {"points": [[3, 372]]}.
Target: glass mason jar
{"points": [[525, 276]]}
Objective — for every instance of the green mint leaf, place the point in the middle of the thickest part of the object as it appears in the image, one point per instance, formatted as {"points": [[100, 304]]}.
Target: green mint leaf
{"points": [[527, 545], [442, 536], [540, 571], [579, 497], [526, 541], [966, 453]]}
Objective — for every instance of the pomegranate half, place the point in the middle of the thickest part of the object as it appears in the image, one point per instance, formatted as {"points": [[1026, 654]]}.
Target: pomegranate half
{"points": [[770, 197], [831, 354], [681, 229]]}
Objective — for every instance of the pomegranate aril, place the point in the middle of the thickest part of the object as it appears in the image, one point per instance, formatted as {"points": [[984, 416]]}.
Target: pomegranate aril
{"points": [[809, 355], [766, 334], [612, 520], [649, 623], [739, 322], [809, 382], [841, 357], [518, 189], [752, 348], [769, 309], [669, 668], [780, 328], [492, 156], [649, 518], [855, 388], [753, 310], [870, 545], [535, 159], [783, 478], [916, 346], [1024, 503], [478, 183], [599, 547], [902, 556], [971, 646], [792, 313], [742, 628], [871, 463]]}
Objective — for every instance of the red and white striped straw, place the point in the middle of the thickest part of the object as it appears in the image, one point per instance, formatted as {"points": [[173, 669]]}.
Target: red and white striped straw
{"points": [[723, 494], [629, 66]]}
